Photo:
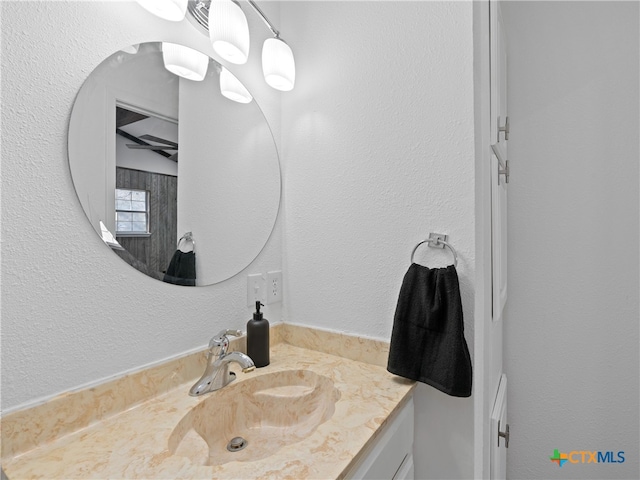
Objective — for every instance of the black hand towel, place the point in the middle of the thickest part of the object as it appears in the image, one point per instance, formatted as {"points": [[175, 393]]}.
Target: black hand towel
{"points": [[182, 269], [427, 342]]}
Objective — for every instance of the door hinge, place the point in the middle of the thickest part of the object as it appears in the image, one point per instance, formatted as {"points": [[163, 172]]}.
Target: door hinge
{"points": [[503, 163], [504, 129], [504, 171], [504, 435]]}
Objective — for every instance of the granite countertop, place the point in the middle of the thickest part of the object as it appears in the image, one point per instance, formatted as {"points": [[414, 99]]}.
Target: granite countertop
{"points": [[134, 443]]}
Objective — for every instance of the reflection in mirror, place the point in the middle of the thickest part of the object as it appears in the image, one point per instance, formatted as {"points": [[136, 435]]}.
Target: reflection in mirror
{"points": [[160, 162], [146, 198]]}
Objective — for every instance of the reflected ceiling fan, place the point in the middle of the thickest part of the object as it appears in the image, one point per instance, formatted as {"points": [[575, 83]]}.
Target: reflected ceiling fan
{"points": [[126, 117]]}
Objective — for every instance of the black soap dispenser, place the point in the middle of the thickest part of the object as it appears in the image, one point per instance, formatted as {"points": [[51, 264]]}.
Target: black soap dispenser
{"points": [[258, 338]]}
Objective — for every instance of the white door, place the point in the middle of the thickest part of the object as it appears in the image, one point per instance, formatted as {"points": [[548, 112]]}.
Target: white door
{"points": [[499, 186]]}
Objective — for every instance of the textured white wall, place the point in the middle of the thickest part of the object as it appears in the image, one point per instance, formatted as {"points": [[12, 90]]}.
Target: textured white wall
{"points": [[379, 151], [572, 333], [72, 311]]}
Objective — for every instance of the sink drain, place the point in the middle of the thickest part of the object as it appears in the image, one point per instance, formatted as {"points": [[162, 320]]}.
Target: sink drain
{"points": [[236, 444]]}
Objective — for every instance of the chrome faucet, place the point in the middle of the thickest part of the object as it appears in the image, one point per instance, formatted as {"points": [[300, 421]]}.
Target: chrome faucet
{"points": [[217, 374]]}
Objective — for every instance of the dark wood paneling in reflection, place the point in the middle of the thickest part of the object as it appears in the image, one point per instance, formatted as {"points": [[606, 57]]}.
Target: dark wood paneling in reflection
{"points": [[156, 250]]}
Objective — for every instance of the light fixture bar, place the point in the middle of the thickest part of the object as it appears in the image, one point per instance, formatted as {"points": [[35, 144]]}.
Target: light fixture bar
{"points": [[278, 64], [264, 18]]}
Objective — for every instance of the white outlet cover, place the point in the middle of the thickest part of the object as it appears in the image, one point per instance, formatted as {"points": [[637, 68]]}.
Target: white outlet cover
{"points": [[274, 287]]}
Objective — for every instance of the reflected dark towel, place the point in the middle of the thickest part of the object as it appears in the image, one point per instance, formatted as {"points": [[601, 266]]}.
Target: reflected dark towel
{"points": [[427, 342], [182, 269]]}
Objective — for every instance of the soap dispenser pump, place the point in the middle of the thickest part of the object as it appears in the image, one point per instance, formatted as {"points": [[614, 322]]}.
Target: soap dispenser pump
{"points": [[258, 338]]}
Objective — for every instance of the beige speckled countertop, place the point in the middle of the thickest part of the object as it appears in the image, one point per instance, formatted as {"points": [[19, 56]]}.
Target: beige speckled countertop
{"points": [[134, 443]]}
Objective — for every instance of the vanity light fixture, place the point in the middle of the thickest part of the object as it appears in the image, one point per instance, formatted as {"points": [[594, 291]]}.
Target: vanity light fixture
{"points": [[228, 31], [184, 61], [172, 10], [231, 87], [278, 64]]}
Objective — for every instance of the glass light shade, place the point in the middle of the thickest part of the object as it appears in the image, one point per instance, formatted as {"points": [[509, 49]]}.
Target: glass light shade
{"points": [[278, 65], [173, 10], [232, 88], [229, 31], [184, 61]]}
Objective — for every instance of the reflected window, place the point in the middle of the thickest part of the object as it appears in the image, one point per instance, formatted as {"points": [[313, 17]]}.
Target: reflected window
{"points": [[132, 212]]}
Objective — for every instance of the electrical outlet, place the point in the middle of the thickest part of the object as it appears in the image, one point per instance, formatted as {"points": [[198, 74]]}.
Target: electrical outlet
{"points": [[255, 289], [274, 287]]}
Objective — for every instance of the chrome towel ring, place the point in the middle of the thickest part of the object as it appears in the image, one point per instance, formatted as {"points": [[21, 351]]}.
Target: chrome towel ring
{"points": [[437, 240], [187, 238]]}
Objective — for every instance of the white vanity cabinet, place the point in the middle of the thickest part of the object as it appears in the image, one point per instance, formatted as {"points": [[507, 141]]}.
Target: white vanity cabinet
{"points": [[391, 455]]}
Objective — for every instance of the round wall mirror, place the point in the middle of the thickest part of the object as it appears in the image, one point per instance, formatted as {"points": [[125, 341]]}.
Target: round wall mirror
{"points": [[178, 179]]}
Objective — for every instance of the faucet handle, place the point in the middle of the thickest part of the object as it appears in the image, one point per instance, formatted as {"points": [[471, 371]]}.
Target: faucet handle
{"points": [[221, 340], [233, 333], [223, 333]]}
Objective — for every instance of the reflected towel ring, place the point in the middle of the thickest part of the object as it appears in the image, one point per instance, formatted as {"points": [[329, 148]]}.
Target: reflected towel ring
{"points": [[187, 237], [434, 240]]}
